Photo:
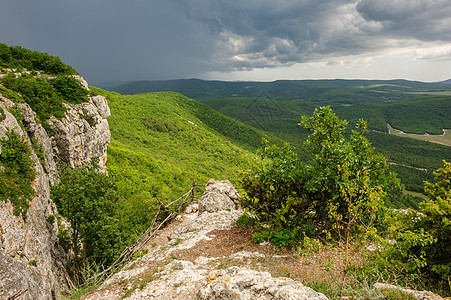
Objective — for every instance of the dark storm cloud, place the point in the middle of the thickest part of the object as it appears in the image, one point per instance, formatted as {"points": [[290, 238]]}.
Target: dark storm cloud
{"points": [[426, 20], [261, 33], [109, 40]]}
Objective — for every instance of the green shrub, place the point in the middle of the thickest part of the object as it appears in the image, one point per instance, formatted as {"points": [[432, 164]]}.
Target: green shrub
{"points": [[50, 219], [337, 195], [245, 220], [282, 238], [16, 172], [70, 89], [33, 263], [46, 97], [17, 57], [261, 236], [437, 222], [89, 201], [10, 94], [2, 114]]}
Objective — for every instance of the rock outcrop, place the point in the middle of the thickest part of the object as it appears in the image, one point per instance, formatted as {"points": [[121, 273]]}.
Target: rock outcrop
{"points": [[244, 284], [418, 295], [175, 269], [31, 261]]}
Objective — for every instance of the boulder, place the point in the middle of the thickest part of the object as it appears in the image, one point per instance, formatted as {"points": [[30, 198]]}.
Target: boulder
{"points": [[419, 295], [219, 196], [242, 284]]}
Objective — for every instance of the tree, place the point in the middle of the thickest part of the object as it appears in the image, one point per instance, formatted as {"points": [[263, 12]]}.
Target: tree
{"points": [[336, 195], [88, 200], [437, 222]]}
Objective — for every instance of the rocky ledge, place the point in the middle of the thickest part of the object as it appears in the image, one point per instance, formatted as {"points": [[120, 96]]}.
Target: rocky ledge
{"points": [[160, 274]]}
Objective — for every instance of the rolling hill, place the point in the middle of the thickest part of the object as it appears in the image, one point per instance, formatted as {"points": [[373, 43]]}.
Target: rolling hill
{"points": [[276, 108]]}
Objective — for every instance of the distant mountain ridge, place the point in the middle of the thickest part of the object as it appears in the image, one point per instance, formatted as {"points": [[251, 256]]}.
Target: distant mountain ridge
{"points": [[305, 89]]}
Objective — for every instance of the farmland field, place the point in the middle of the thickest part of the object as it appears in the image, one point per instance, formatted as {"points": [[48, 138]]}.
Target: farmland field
{"points": [[444, 139]]}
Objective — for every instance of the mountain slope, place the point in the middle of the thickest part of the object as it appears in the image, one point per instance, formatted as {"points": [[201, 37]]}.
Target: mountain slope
{"points": [[161, 141], [337, 91]]}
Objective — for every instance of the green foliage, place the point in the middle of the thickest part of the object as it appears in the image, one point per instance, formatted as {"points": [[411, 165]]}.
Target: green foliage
{"points": [[33, 263], [338, 194], [2, 114], [46, 97], [416, 247], [89, 201], [16, 172], [245, 220], [17, 57], [438, 221], [50, 219], [261, 236], [70, 89], [274, 194], [10, 94]]}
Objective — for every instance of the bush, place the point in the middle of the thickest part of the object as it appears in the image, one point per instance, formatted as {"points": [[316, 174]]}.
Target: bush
{"points": [[70, 89], [337, 195], [17, 57], [45, 97], [89, 201], [437, 222], [16, 172]]}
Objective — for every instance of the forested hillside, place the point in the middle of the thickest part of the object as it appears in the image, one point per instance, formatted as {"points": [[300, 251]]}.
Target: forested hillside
{"points": [[160, 142], [276, 108]]}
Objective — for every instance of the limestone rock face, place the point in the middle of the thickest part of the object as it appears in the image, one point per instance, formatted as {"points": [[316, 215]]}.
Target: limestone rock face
{"points": [[219, 195], [83, 133], [244, 284], [31, 261]]}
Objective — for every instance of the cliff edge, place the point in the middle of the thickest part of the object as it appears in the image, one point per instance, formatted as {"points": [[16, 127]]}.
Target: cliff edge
{"points": [[32, 263]]}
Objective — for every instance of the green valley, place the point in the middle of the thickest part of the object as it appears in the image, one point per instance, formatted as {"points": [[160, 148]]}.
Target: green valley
{"points": [[276, 108]]}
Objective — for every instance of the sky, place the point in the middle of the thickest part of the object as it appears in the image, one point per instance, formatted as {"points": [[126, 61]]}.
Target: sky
{"points": [[112, 41]]}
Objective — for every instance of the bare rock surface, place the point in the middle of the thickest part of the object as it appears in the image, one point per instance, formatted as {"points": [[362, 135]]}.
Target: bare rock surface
{"points": [[219, 196], [419, 295], [244, 284], [31, 261], [164, 273]]}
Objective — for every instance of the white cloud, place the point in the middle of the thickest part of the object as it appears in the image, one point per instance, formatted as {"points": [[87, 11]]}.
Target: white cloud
{"points": [[434, 53]]}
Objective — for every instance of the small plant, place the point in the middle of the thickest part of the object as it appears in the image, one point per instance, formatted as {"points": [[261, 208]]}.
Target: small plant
{"points": [[177, 241], [261, 236], [177, 266], [282, 238], [246, 221], [33, 263], [140, 254], [2, 114], [397, 294], [50, 219], [90, 119]]}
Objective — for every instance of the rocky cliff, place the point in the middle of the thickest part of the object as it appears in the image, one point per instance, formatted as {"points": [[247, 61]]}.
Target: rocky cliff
{"points": [[31, 261]]}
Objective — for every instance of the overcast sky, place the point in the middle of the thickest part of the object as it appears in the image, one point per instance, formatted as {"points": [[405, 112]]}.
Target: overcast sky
{"points": [[112, 40]]}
